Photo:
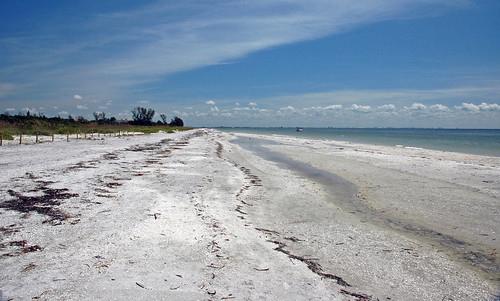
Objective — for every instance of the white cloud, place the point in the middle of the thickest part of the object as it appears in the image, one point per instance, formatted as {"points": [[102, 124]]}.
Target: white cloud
{"points": [[468, 107], [387, 107], [489, 107], [325, 108], [81, 107], [77, 97], [252, 104], [210, 102], [481, 107], [416, 106], [216, 32], [63, 113], [143, 102], [439, 108], [163, 38], [333, 107], [360, 108], [214, 109], [10, 110], [434, 115]]}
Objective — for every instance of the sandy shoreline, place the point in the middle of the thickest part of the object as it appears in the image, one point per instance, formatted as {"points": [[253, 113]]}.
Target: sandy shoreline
{"points": [[415, 191], [195, 215]]}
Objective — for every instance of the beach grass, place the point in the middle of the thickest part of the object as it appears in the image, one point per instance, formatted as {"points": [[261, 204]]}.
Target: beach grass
{"points": [[8, 131]]}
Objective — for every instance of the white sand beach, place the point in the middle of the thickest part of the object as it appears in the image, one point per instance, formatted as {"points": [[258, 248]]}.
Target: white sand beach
{"points": [[207, 215]]}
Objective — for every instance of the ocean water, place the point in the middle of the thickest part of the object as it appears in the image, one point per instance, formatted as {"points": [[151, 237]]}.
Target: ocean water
{"points": [[470, 141]]}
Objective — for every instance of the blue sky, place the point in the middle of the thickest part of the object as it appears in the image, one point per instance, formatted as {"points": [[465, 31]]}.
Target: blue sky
{"points": [[367, 63]]}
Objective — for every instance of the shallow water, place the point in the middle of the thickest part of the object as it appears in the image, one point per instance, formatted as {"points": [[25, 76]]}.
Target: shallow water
{"points": [[480, 142]]}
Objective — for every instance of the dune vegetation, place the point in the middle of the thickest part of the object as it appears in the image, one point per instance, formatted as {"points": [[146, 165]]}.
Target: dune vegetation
{"points": [[37, 124]]}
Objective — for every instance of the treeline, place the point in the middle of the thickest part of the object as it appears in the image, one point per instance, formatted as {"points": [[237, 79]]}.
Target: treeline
{"points": [[140, 116], [144, 116], [38, 124]]}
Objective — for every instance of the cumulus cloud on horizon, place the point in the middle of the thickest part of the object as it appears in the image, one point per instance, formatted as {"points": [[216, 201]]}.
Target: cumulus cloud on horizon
{"points": [[387, 107], [361, 108], [385, 115], [333, 107], [416, 106], [439, 107], [479, 107]]}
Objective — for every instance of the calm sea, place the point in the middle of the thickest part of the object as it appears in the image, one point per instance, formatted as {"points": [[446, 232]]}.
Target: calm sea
{"points": [[481, 142]]}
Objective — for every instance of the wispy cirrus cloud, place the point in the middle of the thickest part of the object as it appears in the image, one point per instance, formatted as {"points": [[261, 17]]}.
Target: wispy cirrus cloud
{"points": [[116, 52]]}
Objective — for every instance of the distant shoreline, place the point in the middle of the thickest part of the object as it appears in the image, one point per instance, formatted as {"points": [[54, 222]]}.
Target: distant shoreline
{"points": [[485, 142]]}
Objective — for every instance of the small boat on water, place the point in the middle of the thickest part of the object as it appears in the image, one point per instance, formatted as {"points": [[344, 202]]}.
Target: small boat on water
{"points": [[299, 129]]}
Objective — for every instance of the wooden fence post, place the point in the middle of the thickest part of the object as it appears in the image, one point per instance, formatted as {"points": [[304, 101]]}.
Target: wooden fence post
{"points": [[36, 138], [1, 139], [21, 138], [52, 137], [67, 137]]}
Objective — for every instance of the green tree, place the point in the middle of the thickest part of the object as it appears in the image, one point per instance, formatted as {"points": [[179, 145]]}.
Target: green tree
{"points": [[143, 116], [163, 118], [176, 122]]}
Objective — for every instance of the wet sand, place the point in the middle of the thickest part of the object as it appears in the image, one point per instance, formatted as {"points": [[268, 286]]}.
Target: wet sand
{"points": [[464, 247]]}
